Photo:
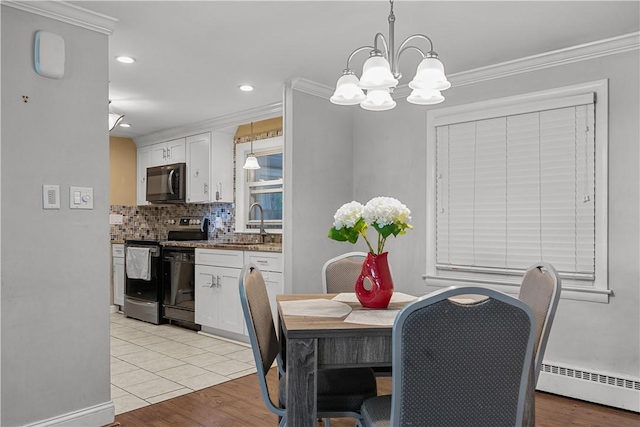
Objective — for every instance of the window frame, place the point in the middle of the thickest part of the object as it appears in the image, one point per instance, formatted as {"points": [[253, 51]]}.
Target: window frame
{"points": [[536, 101], [243, 194]]}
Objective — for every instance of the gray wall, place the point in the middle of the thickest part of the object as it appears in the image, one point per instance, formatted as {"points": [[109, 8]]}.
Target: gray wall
{"points": [[392, 162], [603, 337], [55, 277], [318, 180]]}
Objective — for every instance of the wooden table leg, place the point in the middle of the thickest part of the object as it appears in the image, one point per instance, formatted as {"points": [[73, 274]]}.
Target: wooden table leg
{"points": [[301, 382]]}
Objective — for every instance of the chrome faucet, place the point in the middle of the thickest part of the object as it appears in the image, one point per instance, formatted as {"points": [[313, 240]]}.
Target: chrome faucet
{"points": [[263, 233]]}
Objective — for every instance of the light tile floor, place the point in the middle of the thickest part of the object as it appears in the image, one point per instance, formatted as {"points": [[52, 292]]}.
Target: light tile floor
{"points": [[152, 363]]}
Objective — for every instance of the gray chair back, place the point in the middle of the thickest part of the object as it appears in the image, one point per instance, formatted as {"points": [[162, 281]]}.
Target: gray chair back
{"points": [[540, 290], [339, 274], [262, 332], [462, 364]]}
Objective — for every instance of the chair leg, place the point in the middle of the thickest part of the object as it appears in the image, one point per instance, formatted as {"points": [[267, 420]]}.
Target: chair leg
{"points": [[327, 422]]}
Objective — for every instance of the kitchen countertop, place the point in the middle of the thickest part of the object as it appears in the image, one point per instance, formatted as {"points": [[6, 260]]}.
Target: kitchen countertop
{"points": [[205, 244]]}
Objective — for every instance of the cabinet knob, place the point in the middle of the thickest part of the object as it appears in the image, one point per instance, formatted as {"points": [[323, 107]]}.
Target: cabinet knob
{"points": [[206, 188]]}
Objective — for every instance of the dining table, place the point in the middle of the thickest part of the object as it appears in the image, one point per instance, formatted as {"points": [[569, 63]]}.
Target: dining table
{"points": [[329, 331]]}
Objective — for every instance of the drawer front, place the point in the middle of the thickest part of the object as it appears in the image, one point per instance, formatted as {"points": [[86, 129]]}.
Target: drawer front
{"points": [[267, 261], [219, 257], [117, 250]]}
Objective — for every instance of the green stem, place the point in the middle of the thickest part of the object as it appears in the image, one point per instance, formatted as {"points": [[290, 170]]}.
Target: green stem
{"points": [[368, 244], [381, 241]]}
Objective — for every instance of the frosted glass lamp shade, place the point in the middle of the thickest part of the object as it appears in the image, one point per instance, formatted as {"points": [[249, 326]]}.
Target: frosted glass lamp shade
{"points": [[425, 97], [378, 100], [376, 74], [251, 163], [347, 91], [114, 119], [430, 75]]}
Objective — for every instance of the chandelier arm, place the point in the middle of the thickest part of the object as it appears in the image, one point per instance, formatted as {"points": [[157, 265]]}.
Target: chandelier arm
{"points": [[415, 36], [410, 48], [384, 43], [360, 49]]}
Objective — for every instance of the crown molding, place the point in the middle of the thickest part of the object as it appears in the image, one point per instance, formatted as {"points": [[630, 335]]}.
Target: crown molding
{"points": [[68, 13], [221, 122], [551, 59], [310, 87]]}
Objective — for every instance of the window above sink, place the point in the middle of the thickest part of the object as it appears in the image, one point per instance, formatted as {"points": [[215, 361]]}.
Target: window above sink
{"points": [[263, 186]]}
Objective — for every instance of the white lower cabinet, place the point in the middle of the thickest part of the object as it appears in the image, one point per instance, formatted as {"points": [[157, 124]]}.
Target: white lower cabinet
{"points": [[217, 298], [117, 273], [216, 285]]}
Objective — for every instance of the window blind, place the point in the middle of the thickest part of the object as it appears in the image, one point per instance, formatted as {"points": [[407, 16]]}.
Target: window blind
{"points": [[517, 189]]}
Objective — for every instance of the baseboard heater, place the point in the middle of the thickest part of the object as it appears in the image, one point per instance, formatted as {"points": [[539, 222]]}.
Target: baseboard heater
{"points": [[591, 386]]}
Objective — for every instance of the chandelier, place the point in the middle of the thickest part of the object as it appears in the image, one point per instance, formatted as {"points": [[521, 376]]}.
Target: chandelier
{"points": [[380, 75]]}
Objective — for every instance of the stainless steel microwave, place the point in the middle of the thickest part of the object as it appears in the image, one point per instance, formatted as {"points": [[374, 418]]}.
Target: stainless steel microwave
{"points": [[166, 184]]}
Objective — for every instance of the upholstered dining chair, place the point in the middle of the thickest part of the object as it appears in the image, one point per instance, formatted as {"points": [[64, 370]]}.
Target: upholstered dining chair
{"points": [[339, 274], [540, 289], [458, 364], [340, 391]]}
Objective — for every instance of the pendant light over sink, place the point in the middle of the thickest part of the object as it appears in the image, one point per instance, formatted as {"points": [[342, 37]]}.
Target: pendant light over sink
{"points": [[381, 74], [251, 162]]}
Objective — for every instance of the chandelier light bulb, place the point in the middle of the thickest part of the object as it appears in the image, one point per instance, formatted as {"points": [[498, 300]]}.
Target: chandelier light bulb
{"points": [[425, 97], [378, 100], [347, 91], [430, 75], [376, 74]]}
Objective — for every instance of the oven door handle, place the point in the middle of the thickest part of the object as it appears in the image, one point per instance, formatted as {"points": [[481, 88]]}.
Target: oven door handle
{"points": [[154, 250]]}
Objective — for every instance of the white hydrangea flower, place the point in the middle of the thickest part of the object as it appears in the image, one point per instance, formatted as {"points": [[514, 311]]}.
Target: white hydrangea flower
{"points": [[385, 210], [347, 215]]}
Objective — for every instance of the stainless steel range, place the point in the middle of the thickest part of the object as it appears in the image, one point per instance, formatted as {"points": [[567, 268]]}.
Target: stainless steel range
{"points": [[142, 291], [178, 271]]}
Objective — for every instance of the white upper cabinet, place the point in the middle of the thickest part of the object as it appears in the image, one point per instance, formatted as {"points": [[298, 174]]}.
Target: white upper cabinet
{"points": [[169, 152], [222, 167], [209, 160], [144, 161], [199, 168]]}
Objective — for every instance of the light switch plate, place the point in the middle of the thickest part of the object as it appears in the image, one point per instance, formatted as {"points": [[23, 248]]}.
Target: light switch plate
{"points": [[50, 196], [80, 197]]}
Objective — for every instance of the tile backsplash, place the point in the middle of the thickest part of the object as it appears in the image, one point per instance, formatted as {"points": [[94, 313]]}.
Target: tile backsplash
{"points": [[150, 222]]}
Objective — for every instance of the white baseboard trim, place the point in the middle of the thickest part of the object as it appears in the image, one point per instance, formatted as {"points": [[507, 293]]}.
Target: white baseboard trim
{"points": [[601, 388], [94, 416], [114, 308]]}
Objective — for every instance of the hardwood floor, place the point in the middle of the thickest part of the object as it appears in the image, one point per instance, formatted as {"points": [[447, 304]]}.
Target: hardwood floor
{"points": [[238, 403]]}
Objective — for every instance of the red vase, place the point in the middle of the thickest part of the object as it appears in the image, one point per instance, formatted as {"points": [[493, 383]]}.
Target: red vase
{"points": [[376, 269]]}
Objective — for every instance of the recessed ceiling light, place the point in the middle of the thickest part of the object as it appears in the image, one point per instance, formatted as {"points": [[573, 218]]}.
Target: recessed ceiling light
{"points": [[125, 59], [125, 125], [245, 88]]}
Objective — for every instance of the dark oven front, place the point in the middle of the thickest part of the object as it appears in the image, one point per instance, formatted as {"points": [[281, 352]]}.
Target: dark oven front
{"points": [[143, 297], [178, 285]]}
